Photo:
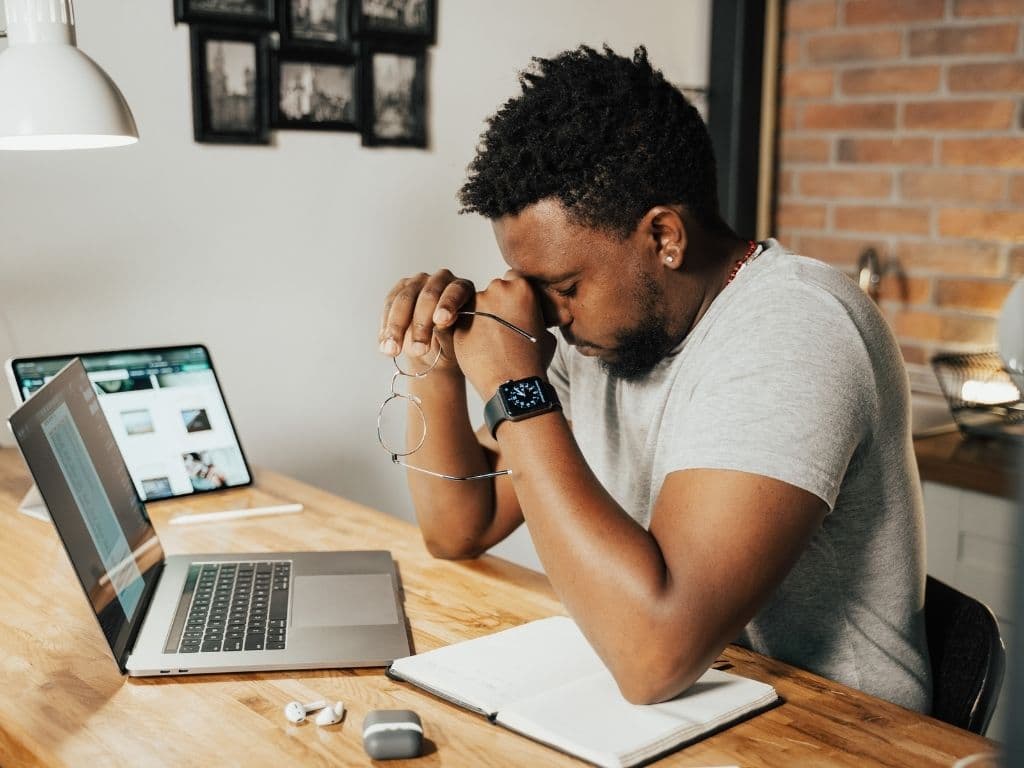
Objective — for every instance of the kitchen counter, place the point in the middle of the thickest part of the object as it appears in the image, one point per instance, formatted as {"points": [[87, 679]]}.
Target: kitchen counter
{"points": [[976, 464]]}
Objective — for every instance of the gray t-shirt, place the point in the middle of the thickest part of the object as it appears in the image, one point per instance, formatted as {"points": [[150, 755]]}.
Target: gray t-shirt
{"points": [[793, 374]]}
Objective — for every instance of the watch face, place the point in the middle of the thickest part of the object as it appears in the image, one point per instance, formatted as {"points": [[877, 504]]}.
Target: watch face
{"points": [[523, 396]]}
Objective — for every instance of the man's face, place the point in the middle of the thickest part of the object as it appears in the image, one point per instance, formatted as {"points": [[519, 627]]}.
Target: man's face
{"points": [[604, 293]]}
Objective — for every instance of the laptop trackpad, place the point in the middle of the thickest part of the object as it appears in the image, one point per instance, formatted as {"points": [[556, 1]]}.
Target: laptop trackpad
{"points": [[343, 601]]}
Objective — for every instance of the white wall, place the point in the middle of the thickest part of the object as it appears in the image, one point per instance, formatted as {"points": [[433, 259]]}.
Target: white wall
{"points": [[278, 257]]}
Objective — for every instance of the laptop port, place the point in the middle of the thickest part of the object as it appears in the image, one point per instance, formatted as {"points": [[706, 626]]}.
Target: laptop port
{"points": [[165, 671], [182, 670]]}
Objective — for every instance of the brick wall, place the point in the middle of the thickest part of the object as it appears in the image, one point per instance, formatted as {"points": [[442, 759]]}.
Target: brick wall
{"points": [[901, 126]]}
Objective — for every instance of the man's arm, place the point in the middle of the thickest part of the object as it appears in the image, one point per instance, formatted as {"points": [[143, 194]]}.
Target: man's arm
{"points": [[658, 606], [458, 519]]}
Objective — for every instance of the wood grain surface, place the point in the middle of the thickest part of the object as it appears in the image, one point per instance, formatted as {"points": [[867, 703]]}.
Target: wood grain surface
{"points": [[63, 701]]}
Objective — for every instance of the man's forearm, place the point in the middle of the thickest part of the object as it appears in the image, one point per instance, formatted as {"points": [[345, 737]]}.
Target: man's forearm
{"points": [[608, 571], [453, 516]]}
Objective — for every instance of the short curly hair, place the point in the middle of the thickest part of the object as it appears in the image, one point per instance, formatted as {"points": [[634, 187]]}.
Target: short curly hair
{"points": [[607, 136]]}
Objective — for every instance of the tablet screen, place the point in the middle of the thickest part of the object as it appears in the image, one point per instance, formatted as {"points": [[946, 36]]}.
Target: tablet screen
{"points": [[167, 413]]}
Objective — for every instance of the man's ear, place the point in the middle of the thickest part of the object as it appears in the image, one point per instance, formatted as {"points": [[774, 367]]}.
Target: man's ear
{"points": [[667, 232]]}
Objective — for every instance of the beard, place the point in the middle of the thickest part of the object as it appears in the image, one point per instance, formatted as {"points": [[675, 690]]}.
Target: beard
{"points": [[638, 350]]}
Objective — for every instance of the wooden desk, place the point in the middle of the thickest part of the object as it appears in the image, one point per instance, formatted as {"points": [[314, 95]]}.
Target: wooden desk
{"points": [[63, 701]]}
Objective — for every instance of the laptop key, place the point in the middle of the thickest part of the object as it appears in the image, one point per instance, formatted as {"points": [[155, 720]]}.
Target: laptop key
{"points": [[210, 647], [275, 645], [254, 644], [232, 645]]}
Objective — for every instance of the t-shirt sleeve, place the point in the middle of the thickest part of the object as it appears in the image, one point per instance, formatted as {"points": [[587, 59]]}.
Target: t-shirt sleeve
{"points": [[788, 396], [558, 375]]}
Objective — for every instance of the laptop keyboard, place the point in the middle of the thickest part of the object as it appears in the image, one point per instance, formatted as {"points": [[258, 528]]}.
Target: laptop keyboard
{"points": [[235, 607]]}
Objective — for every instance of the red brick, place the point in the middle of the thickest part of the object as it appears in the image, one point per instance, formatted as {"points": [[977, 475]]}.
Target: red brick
{"points": [[982, 224], [1017, 262], [789, 117], [891, 80], [785, 183], [916, 324], [949, 258], [905, 151], [1004, 152], [891, 219], [834, 184], [968, 329], [854, 46], [952, 41], [807, 84], [975, 8], [915, 355], [794, 150], [842, 252], [893, 11], [982, 295], [903, 289], [931, 326], [802, 15], [997, 76], [1017, 190], [800, 216], [792, 51], [959, 115], [950, 186], [832, 117]]}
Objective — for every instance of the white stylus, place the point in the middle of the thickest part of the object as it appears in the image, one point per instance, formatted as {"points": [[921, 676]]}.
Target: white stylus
{"points": [[231, 514]]}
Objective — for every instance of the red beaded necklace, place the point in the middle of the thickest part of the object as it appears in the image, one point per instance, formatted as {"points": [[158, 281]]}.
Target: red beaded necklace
{"points": [[752, 246]]}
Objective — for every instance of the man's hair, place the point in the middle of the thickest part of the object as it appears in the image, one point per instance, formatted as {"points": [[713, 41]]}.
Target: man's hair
{"points": [[605, 135]]}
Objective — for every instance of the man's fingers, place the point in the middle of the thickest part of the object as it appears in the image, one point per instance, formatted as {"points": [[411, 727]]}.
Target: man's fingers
{"points": [[422, 320], [398, 313], [455, 296]]}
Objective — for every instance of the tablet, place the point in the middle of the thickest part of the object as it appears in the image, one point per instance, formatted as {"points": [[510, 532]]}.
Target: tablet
{"points": [[167, 413]]}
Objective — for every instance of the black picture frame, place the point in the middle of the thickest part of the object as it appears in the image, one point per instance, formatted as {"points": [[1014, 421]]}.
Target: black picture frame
{"points": [[218, 115], [288, 109], [311, 31], [370, 21], [230, 12], [394, 114]]}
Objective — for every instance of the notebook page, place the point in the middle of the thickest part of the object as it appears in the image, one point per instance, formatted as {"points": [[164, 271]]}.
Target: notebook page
{"points": [[589, 717], [487, 672]]}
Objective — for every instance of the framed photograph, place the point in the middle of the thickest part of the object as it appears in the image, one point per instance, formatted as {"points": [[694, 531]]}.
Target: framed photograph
{"points": [[315, 89], [307, 23], [249, 13], [394, 97], [405, 21], [229, 86]]}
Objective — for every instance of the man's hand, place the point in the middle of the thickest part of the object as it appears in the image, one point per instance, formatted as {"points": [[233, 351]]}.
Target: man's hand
{"points": [[419, 313], [489, 353]]}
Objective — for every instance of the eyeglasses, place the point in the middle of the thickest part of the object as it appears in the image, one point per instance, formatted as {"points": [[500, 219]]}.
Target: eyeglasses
{"points": [[412, 400]]}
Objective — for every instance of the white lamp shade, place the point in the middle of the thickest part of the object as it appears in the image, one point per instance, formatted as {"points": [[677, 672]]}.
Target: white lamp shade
{"points": [[53, 96]]}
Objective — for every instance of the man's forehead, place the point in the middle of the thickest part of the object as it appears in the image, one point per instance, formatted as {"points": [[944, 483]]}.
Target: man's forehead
{"points": [[536, 241]]}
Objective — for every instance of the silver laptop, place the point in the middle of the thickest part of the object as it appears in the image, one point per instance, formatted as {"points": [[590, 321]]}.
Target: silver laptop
{"points": [[192, 614]]}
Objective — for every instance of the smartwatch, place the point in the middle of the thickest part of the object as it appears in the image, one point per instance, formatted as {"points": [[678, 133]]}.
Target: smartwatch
{"points": [[518, 400]]}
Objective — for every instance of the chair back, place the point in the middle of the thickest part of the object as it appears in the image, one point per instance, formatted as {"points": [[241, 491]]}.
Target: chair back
{"points": [[967, 656]]}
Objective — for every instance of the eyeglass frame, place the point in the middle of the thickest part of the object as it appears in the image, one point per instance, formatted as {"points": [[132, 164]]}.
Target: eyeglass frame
{"points": [[397, 456]]}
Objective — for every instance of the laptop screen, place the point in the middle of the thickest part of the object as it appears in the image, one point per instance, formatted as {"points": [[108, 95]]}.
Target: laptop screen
{"points": [[167, 414], [75, 462]]}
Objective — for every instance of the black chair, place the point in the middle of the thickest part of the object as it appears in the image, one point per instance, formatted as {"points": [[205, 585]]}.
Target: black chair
{"points": [[967, 654]]}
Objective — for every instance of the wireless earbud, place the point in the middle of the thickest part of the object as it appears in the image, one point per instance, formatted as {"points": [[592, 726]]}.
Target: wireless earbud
{"points": [[296, 711], [331, 715]]}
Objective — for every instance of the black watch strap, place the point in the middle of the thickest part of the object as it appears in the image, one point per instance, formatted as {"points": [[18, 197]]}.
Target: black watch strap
{"points": [[496, 411]]}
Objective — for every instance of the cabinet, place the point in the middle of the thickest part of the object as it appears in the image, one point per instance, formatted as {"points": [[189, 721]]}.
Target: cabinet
{"points": [[970, 545]]}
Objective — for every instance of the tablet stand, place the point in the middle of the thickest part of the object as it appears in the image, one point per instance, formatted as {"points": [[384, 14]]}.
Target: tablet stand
{"points": [[34, 506]]}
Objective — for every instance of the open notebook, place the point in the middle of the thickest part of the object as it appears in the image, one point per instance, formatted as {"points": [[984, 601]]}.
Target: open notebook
{"points": [[543, 680]]}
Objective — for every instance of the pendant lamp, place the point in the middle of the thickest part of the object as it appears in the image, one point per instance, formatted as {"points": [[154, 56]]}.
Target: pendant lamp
{"points": [[53, 96]]}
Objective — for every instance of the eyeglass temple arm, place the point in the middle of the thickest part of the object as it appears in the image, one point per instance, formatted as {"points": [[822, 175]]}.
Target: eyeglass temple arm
{"points": [[506, 323], [396, 460]]}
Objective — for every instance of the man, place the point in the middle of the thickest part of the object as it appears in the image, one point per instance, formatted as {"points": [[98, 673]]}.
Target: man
{"points": [[732, 458]]}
